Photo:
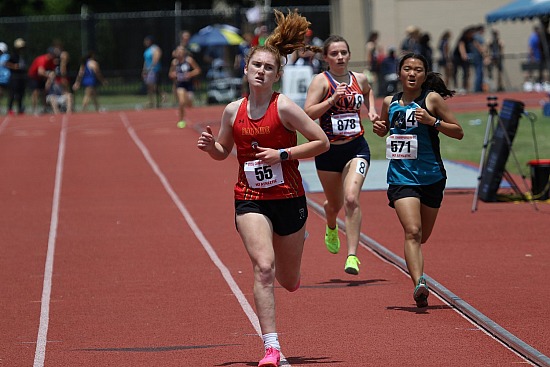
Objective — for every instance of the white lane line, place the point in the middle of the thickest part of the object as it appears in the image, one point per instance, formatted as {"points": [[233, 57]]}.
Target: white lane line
{"points": [[40, 352], [3, 125], [196, 230]]}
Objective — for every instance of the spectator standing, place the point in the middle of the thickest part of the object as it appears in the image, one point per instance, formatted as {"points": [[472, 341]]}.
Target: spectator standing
{"points": [[151, 71], [496, 52], [373, 56], [90, 77], [461, 59], [534, 60], [425, 48], [545, 49], [445, 62], [411, 40], [4, 71], [479, 57], [18, 76], [183, 69], [39, 72], [270, 203]]}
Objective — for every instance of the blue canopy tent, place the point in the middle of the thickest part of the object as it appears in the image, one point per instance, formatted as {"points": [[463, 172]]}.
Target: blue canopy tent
{"points": [[520, 10]]}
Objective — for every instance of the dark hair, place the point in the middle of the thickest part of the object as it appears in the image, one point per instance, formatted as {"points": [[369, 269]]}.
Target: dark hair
{"points": [[433, 80], [88, 56]]}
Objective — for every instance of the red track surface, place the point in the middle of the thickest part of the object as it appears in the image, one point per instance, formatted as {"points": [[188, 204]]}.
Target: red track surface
{"points": [[132, 284]]}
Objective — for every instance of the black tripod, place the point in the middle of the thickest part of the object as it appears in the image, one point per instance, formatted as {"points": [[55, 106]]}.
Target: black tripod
{"points": [[493, 119]]}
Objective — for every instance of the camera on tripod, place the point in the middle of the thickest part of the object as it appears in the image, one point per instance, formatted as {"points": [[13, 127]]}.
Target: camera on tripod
{"points": [[492, 101]]}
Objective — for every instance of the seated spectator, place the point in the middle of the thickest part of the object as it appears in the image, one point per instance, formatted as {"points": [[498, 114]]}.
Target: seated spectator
{"points": [[217, 70], [58, 97]]}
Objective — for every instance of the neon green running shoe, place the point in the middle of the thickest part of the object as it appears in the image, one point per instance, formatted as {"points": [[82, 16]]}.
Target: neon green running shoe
{"points": [[352, 265], [181, 124], [331, 240]]}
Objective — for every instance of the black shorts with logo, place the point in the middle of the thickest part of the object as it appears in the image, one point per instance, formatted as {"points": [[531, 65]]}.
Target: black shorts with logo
{"points": [[336, 158], [286, 215], [429, 195]]}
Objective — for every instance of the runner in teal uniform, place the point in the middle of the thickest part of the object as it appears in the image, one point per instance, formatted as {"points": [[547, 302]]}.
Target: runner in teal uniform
{"points": [[416, 176]]}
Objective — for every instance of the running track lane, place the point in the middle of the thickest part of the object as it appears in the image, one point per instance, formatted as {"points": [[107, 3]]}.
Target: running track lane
{"points": [[124, 259]]}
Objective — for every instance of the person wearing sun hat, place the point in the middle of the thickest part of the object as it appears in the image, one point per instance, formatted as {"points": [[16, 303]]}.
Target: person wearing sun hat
{"points": [[18, 76]]}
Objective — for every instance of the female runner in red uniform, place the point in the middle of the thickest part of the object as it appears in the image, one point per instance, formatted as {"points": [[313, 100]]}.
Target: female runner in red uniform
{"points": [[270, 203]]}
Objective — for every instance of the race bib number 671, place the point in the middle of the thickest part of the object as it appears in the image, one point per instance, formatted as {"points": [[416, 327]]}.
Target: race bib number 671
{"points": [[403, 146]]}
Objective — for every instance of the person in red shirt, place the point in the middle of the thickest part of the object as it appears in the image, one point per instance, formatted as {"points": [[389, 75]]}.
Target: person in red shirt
{"points": [[39, 71], [270, 203]]}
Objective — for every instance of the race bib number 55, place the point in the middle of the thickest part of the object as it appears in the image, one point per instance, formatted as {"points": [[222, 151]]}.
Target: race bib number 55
{"points": [[260, 175], [401, 146]]}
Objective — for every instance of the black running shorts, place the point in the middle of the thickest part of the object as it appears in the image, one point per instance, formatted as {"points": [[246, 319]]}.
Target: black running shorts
{"points": [[286, 215]]}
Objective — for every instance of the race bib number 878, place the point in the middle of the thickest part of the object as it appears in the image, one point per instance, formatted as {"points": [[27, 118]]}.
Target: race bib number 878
{"points": [[347, 124]]}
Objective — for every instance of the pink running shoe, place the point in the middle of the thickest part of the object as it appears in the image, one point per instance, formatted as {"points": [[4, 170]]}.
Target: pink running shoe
{"points": [[271, 359]]}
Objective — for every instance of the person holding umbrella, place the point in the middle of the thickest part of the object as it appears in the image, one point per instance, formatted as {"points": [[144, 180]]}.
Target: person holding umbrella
{"points": [[270, 203]]}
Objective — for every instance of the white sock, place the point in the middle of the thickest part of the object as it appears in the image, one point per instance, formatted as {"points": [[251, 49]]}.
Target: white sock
{"points": [[271, 340]]}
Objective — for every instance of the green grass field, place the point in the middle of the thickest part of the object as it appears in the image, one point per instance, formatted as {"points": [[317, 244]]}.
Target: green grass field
{"points": [[470, 147]]}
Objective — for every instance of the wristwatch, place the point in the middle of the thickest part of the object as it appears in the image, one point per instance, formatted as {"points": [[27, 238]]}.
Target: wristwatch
{"points": [[283, 154], [437, 123]]}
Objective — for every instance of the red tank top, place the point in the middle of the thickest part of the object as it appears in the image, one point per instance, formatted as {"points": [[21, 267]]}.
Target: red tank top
{"points": [[337, 122], [257, 181]]}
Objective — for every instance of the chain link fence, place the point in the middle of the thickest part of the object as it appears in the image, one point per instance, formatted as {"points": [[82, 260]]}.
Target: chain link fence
{"points": [[117, 38]]}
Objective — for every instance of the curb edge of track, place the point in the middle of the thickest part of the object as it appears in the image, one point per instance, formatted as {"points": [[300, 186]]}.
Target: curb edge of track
{"points": [[491, 327]]}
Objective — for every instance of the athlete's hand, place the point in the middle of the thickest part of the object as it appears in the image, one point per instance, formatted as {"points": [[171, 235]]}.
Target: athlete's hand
{"points": [[423, 116], [206, 140], [268, 155], [373, 116], [379, 127], [339, 92]]}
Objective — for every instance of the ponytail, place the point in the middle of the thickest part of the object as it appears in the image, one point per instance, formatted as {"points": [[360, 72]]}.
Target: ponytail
{"points": [[435, 82], [287, 37]]}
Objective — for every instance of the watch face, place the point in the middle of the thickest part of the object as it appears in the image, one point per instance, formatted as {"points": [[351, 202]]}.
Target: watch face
{"points": [[283, 155]]}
